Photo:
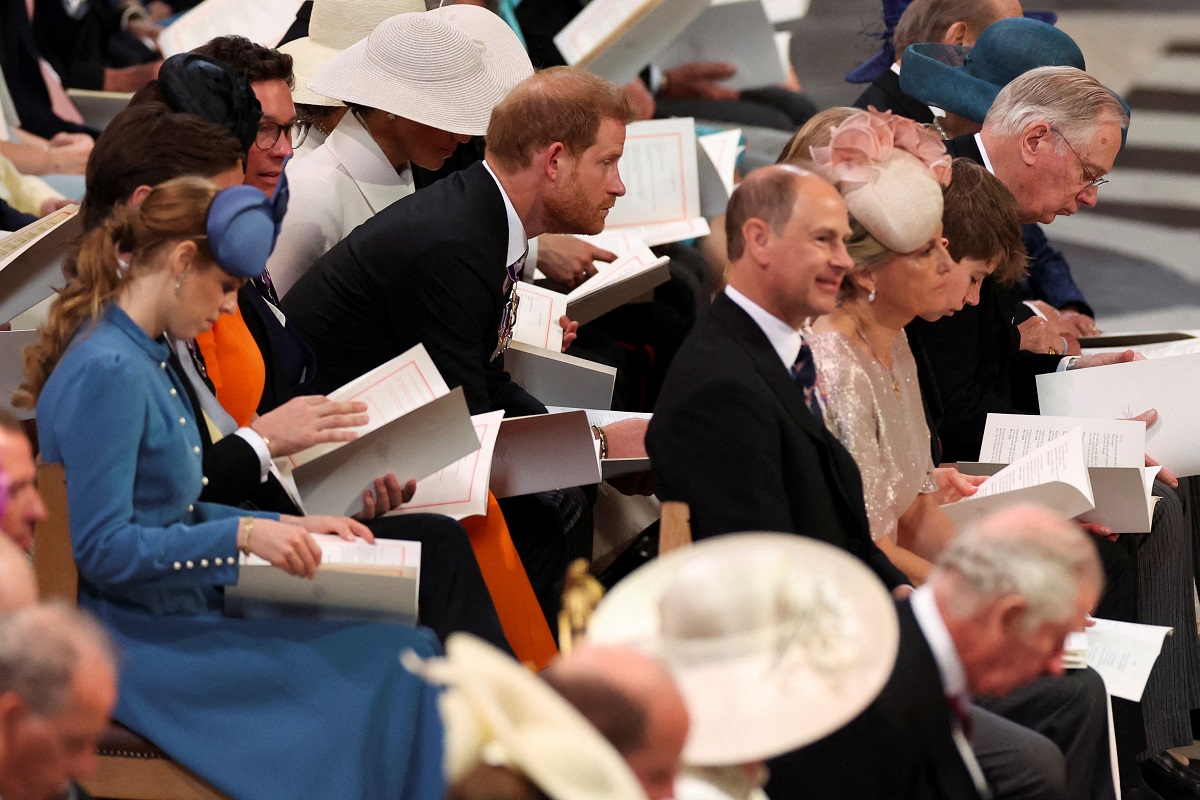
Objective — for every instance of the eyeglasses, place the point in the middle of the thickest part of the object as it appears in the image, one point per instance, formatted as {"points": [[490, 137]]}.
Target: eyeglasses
{"points": [[269, 133], [1090, 180]]}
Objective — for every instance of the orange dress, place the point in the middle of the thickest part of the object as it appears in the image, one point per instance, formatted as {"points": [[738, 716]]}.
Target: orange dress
{"points": [[235, 366], [520, 615]]}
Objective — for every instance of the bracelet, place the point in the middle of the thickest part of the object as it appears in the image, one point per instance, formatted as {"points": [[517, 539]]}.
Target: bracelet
{"points": [[249, 529], [1064, 341], [599, 433]]}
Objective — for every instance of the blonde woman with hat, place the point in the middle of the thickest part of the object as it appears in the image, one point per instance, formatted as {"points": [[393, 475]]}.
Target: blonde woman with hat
{"points": [[509, 736], [418, 86], [333, 26], [891, 172], [766, 665]]}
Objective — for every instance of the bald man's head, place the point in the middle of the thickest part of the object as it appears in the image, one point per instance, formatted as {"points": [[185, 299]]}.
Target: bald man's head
{"points": [[787, 230], [633, 702], [18, 586]]}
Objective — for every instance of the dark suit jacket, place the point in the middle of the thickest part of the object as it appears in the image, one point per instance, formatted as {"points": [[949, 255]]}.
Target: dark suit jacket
{"points": [[19, 60], [1050, 277], [732, 438], [290, 365], [428, 269], [540, 20], [978, 368], [900, 748], [231, 464], [972, 363], [885, 94], [13, 220]]}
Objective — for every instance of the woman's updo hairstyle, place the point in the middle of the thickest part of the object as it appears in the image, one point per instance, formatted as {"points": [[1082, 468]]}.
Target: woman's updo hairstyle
{"points": [[122, 248]]}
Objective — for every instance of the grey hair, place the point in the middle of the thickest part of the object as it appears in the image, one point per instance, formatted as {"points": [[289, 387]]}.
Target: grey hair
{"points": [[927, 20], [1071, 101], [1025, 551], [40, 647]]}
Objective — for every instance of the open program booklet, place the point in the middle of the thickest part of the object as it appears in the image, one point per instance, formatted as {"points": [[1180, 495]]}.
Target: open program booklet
{"points": [[1113, 451], [616, 39], [417, 426], [630, 277], [661, 173], [1054, 475], [31, 260], [356, 581], [1120, 391], [1122, 652]]}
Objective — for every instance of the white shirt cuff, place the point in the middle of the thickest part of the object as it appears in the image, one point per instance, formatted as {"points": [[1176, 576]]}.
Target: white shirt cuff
{"points": [[530, 261], [260, 448]]}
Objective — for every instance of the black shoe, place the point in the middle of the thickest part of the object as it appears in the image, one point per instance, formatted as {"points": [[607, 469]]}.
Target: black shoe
{"points": [[1169, 778]]}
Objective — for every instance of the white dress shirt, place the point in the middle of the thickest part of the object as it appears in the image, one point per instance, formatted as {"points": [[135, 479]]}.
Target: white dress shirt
{"points": [[950, 667], [518, 242], [783, 337], [334, 189]]}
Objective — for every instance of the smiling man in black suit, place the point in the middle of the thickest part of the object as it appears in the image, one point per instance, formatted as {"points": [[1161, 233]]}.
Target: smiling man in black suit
{"points": [[738, 432]]}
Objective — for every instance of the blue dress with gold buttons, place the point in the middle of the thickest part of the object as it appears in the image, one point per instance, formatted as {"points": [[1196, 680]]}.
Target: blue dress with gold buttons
{"points": [[280, 708]]}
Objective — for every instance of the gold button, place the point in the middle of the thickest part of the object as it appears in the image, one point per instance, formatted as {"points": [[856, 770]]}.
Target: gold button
{"points": [[190, 565], [183, 420], [204, 563], [196, 449], [162, 364], [204, 481], [218, 561], [173, 393], [178, 566], [191, 508]]}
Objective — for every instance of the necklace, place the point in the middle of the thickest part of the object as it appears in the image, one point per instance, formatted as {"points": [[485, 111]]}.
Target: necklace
{"points": [[878, 360], [937, 124]]}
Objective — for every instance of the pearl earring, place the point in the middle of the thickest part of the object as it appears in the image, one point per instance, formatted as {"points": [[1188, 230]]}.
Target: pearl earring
{"points": [[178, 285], [871, 297]]}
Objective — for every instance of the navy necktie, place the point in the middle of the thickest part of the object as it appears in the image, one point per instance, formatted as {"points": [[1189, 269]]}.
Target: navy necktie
{"points": [[804, 373]]}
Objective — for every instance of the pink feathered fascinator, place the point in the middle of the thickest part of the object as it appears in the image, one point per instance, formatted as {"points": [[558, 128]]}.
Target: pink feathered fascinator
{"points": [[891, 171]]}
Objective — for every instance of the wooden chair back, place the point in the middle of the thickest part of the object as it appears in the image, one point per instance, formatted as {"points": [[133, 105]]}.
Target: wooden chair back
{"points": [[53, 561], [675, 527]]}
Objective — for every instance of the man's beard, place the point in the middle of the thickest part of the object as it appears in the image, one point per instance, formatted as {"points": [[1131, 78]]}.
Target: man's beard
{"points": [[570, 211]]}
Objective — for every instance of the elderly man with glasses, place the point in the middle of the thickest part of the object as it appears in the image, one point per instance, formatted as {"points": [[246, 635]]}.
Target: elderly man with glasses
{"points": [[1051, 136]]}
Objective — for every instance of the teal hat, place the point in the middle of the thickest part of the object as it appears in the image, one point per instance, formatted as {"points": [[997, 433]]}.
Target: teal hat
{"points": [[966, 80]]}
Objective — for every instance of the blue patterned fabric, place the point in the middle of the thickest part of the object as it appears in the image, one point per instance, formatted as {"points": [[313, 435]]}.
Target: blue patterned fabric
{"points": [[262, 709]]}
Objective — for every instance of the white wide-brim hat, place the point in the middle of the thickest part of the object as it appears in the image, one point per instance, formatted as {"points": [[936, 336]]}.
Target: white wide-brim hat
{"points": [[446, 68], [497, 712], [775, 641], [334, 26]]}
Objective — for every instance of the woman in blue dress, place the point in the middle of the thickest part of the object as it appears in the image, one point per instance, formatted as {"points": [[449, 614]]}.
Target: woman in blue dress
{"points": [[280, 708]]}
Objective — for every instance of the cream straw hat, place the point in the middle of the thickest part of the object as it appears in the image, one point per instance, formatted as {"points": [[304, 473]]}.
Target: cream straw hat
{"points": [[890, 171], [446, 68], [334, 26], [775, 641], [498, 712]]}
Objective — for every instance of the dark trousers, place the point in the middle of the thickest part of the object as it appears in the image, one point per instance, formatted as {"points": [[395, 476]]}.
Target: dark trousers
{"points": [[452, 595], [1070, 712]]}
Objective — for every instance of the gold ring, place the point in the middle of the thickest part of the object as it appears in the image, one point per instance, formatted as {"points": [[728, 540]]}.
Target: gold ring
{"points": [[1051, 351]]}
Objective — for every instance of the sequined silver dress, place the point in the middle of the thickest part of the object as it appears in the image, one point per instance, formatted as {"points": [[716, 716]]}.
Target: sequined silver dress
{"points": [[884, 429]]}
